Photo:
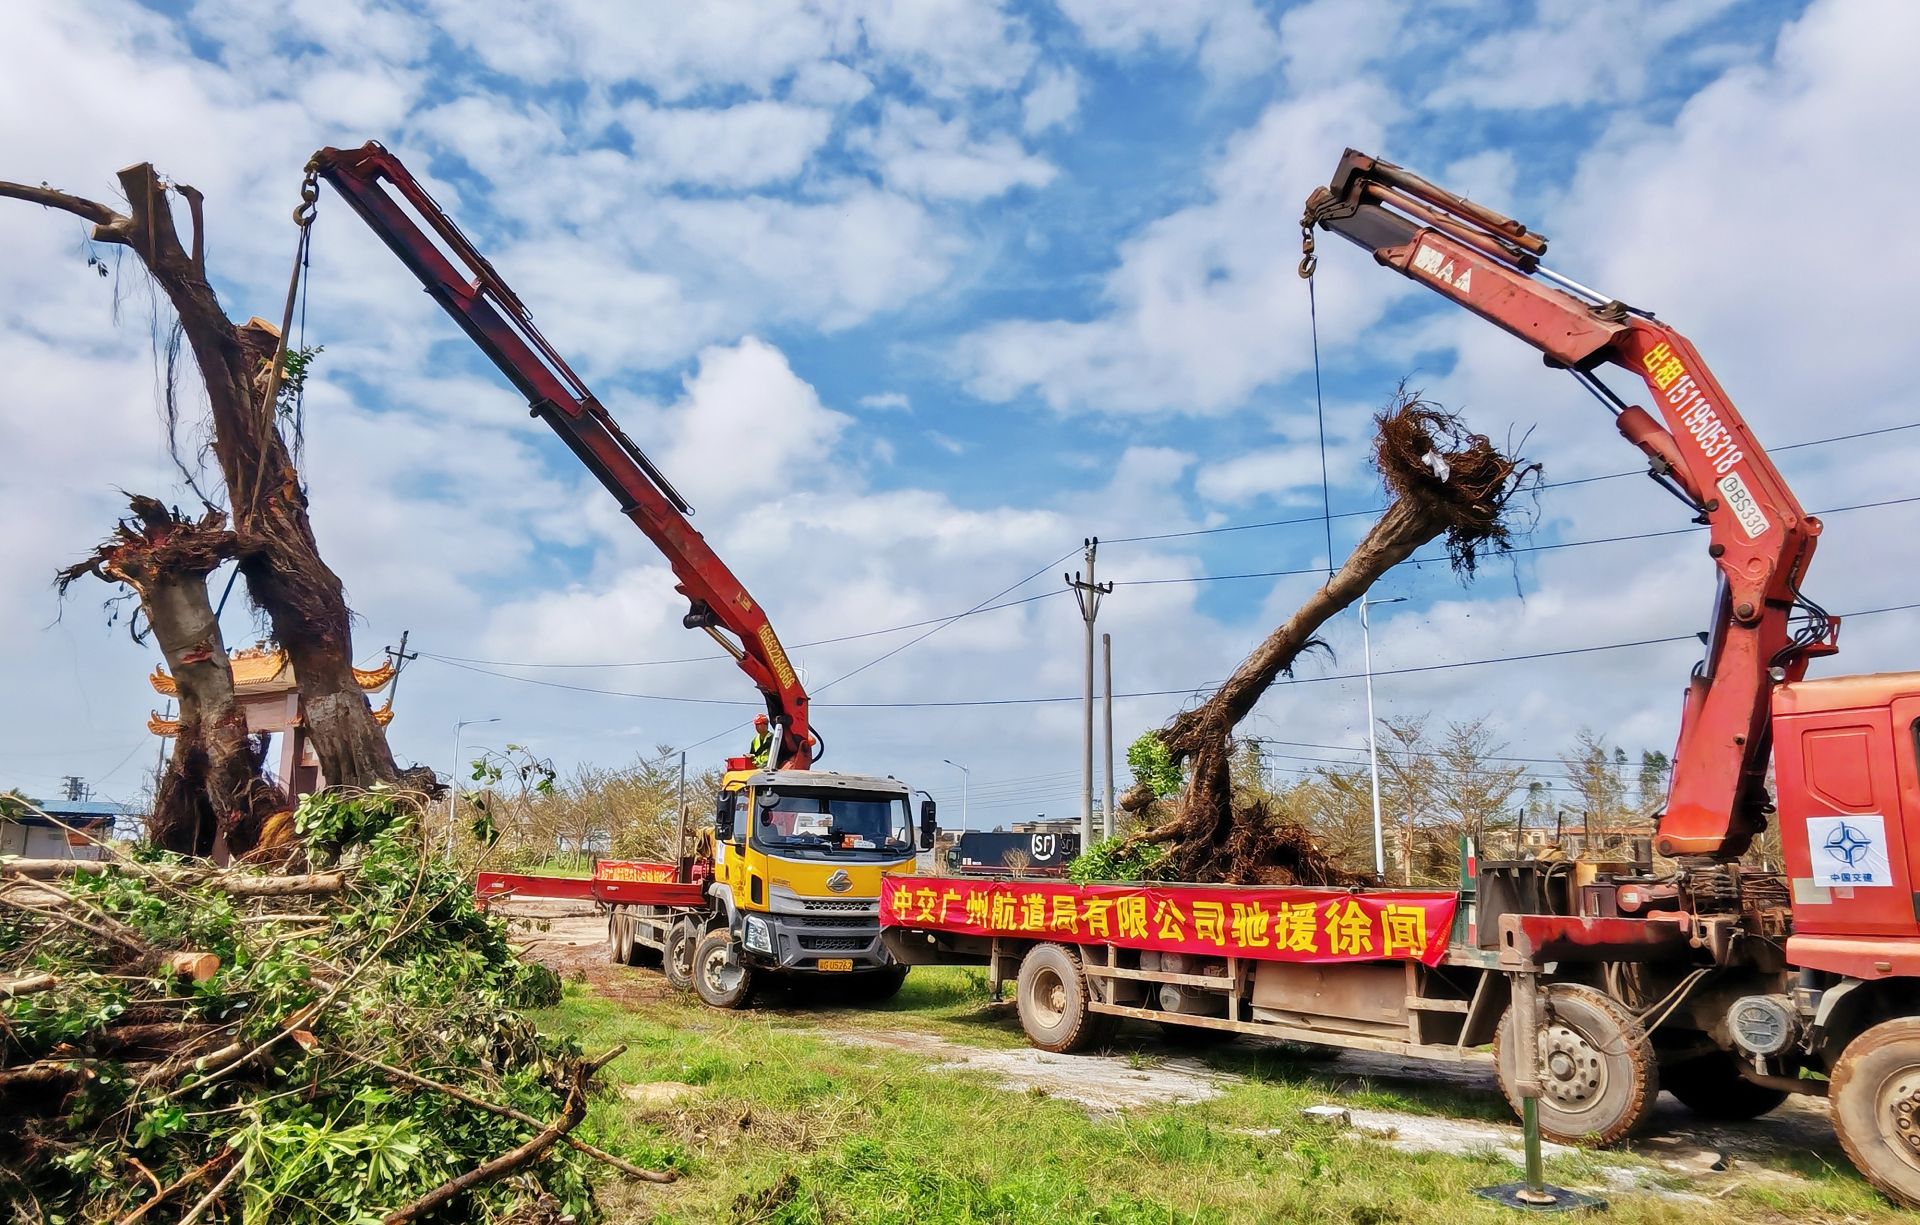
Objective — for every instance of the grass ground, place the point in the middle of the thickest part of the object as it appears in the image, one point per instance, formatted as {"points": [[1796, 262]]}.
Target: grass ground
{"points": [[771, 1119]]}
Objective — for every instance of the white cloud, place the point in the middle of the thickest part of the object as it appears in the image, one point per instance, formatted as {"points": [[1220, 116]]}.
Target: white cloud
{"points": [[677, 51], [887, 401], [922, 154], [1326, 42], [828, 83], [1052, 102], [751, 144], [951, 47], [1232, 39], [1573, 54], [1205, 305], [745, 403]]}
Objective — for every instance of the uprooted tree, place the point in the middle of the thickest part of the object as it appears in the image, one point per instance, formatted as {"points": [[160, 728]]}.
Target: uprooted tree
{"points": [[1442, 480], [243, 368]]}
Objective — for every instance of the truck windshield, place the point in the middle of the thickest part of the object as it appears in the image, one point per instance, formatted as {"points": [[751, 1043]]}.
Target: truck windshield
{"points": [[832, 823]]}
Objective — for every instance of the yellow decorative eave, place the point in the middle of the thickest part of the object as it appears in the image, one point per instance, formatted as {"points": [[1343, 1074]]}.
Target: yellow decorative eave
{"points": [[260, 670], [161, 726]]}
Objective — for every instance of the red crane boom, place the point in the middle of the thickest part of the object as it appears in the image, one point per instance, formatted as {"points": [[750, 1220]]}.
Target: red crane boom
{"points": [[1700, 449], [459, 278]]}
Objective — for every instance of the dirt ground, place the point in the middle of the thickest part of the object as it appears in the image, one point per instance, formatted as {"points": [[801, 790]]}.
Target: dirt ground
{"points": [[571, 937]]}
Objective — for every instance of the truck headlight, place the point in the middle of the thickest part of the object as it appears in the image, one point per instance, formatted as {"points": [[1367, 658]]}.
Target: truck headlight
{"points": [[759, 937]]}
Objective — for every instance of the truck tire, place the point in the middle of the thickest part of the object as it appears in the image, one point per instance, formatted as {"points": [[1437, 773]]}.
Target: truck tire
{"points": [[1711, 1086], [619, 938], [1051, 996], [720, 978], [1599, 1079], [678, 964], [1875, 1096]]}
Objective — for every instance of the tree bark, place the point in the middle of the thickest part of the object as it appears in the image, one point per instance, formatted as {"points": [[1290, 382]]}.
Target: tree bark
{"points": [[212, 794], [286, 577]]}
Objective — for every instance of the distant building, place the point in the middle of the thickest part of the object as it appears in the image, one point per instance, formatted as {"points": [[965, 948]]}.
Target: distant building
{"points": [[68, 831], [1052, 825]]}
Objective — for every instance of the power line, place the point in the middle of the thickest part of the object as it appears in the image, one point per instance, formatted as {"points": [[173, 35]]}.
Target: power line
{"points": [[988, 606], [1156, 693], [981, 606], [817, 642], [1583, 480], [1524, 548]]}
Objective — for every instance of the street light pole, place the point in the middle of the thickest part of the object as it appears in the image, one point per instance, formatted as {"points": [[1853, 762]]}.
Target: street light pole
{"points": [[1373, 747], [965, 775], [453, 791]]}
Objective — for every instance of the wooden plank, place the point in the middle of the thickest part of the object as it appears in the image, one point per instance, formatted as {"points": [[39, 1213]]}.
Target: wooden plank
{"points": [[1311, 1037], [1424, 1005], [1215, 981]]}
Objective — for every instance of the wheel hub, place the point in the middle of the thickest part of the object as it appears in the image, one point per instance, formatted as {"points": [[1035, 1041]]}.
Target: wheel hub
{"points": [[720, 975], [1050, 994], [1574, 1077], [1900, 1107]]}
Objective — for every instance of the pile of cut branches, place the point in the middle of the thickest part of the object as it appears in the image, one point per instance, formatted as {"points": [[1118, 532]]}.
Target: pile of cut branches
{"points": [[1444, 481], [181, 1043]]}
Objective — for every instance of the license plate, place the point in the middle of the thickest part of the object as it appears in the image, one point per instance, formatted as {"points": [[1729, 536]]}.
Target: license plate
{"points": [[842, 964]]}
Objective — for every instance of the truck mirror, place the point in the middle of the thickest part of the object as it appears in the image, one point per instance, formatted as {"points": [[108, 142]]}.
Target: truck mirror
{"points": [[723, 817], [928, 827]]}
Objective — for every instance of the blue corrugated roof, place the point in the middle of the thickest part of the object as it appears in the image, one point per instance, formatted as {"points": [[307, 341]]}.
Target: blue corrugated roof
{"points": [[86, 808]]}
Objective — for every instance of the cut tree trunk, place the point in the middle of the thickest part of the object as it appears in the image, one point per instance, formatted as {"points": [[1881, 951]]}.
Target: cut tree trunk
{"points": [[286, 577], [212, 797]]}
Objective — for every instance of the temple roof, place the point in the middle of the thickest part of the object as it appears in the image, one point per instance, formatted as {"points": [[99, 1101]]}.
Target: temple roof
{"points": [[160, 725], [263, 670]]}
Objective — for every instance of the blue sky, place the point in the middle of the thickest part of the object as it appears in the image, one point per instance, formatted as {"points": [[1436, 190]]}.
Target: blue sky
{"points": [[910, 298]]}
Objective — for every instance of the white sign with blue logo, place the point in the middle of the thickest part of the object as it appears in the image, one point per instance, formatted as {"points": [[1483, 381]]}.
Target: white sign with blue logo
{"points": [[1849, 851]]}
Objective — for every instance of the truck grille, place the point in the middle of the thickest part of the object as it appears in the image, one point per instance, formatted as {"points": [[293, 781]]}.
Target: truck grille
{"points": [[821, 944], [840, 906]]}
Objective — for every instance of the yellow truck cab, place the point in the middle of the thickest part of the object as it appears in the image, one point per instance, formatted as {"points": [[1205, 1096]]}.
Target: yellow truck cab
{"points": [[798, 856]]}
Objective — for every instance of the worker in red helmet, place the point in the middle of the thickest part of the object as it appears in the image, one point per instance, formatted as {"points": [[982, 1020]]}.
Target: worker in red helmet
{"points": [[762, 747]]}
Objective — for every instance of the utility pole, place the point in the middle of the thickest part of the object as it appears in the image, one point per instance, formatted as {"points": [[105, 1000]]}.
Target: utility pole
{"points": [[1088, 593], [966, 776], [1373, 746], [680, 834], [75, 787], [399, 657], [1106, 646]]}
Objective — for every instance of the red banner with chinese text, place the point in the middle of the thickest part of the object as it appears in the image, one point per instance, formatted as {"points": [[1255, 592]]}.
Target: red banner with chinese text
{"points": [[1265, 924]]}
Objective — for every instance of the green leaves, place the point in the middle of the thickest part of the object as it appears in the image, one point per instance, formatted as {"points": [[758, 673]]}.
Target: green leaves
{"points": [[1153, 766], [1117, 859]]}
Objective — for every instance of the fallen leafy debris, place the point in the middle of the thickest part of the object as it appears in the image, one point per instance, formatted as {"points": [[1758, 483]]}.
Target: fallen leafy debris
{"points": [[343, 1045]]}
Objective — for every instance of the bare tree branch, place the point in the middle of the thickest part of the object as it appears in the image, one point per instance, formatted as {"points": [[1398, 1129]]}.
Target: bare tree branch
{"points": [[192, 196], [109, 225]]}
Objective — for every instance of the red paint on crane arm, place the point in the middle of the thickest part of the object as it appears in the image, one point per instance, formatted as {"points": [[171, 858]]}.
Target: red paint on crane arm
{"points": [[1259, 923]]}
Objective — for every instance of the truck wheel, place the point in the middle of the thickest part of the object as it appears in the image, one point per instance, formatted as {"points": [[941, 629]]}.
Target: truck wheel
{"points": [[1712, 1087], [1598, 1076], [619, 938], [721, 978], [1875, 1093], [1051, 996], [678, 966]]}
